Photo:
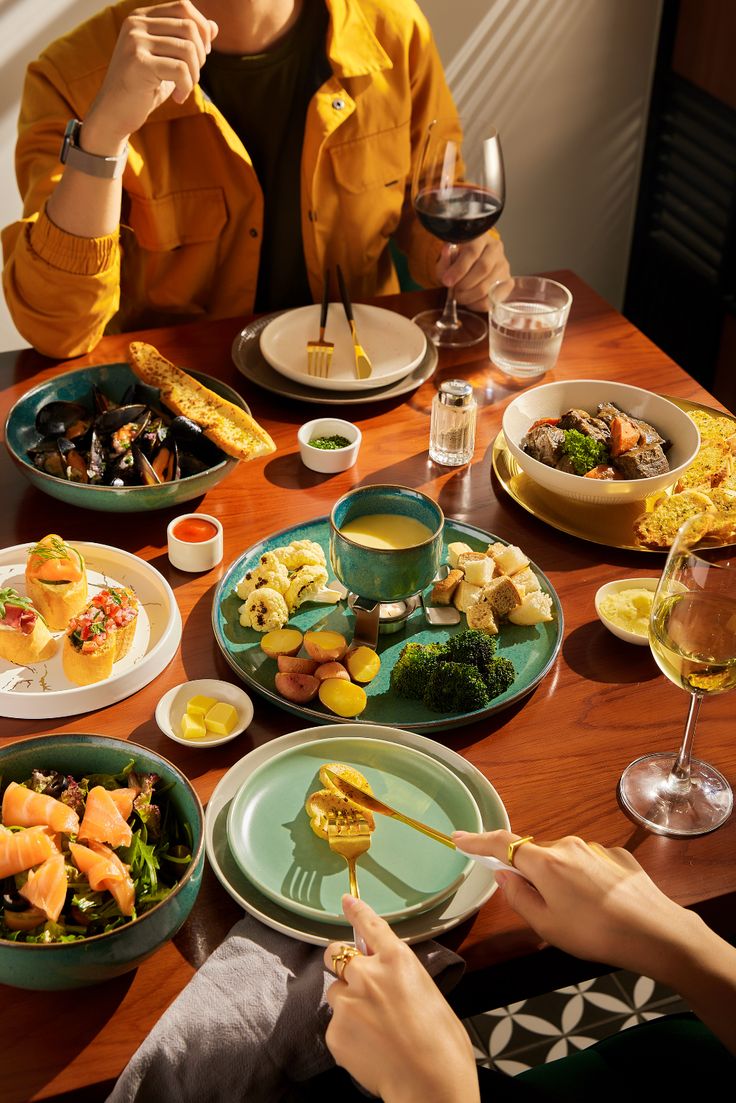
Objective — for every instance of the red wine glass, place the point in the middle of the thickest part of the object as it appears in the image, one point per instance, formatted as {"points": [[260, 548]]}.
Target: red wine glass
{"points": [[456, 205]]}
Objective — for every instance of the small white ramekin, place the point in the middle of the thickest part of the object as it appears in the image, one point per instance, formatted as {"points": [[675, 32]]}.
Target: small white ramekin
{"points": [[199, 555], [328, 461], [173, 704], [615, 587]]}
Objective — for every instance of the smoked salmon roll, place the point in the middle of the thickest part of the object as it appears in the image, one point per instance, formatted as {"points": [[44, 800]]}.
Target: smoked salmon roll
{"points": [[56, 580]]}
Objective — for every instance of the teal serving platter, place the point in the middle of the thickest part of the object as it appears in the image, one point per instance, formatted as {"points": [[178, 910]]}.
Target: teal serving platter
{"points": [[403, 872], [76, 386], [531, 649]]}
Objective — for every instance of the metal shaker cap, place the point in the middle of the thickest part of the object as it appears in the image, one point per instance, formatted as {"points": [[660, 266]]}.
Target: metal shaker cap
{"points": [[455, 392]]}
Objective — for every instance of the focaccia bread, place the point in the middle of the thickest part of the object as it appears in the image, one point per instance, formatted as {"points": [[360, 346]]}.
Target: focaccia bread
{"points": [[229, 426], [24, 635], [56, 580]]}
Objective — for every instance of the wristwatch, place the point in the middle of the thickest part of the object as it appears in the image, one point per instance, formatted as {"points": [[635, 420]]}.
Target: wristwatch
{"points": [[108, 168]]}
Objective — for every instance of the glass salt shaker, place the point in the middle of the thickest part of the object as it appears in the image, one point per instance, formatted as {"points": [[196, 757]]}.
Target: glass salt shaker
{"points": [[452, 428]]}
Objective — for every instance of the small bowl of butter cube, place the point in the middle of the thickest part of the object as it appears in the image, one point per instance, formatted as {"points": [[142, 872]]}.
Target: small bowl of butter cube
{"points": [[204, 712]]}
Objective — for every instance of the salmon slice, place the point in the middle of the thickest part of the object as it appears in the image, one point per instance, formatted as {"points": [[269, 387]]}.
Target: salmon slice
{"points": [[102, 820], [123, 890], [24, 808], [96, 868], [105, 873], [46, 887], [123, 800], [20, 850]]}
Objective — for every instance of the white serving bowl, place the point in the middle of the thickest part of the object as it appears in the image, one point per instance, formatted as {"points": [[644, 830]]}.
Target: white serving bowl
{"points": [[616, 587], [553, 399], [173, 705], [328, 461]]}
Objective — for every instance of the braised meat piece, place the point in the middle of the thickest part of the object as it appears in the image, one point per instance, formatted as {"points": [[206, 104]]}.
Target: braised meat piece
{"points": [[642, 462], [649, 435], [565, 463], [589, 426], [544, 443], [607, 412]]}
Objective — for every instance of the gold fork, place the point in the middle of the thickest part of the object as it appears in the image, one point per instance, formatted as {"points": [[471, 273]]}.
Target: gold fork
{"points": [[319, 353], [363, 366], [349, 835]]}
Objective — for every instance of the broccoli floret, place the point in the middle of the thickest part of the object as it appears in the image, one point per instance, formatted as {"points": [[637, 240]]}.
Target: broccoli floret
{"points": [[584, 452], [455, 687], [474, 647], [499, 675], [412, 668]]}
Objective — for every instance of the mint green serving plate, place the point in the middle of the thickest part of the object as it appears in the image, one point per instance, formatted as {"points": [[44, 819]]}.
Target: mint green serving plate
{"points": [[532, 650], [403, 872]]}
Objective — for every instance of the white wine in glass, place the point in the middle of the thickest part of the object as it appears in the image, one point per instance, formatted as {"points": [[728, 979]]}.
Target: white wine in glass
{"points": [[692, 635], [457, 206]]}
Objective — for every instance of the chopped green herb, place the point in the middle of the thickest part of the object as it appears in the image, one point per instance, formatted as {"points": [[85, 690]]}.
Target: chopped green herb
{"points": [[584, 452], [10, 596], [330, 443]]}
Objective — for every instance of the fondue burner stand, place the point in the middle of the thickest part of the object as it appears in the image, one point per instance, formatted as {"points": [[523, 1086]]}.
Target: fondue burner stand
{"points": [[384, 618]]}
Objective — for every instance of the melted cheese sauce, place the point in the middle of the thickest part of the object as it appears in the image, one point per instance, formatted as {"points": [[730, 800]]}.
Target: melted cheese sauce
{"points": [[387, 531]]}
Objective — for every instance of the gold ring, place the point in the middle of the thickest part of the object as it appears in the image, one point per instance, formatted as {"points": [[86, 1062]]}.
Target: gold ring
{"points": [[340, 960], [514, 846]]}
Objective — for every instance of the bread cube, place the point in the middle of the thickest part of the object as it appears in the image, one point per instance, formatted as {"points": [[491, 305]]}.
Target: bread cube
{"points": [[478, 568], [443, 590], [465, 595], [535, 608], [503, 595], [508, 558], [481, 617], [455, 550], [527, 581]]}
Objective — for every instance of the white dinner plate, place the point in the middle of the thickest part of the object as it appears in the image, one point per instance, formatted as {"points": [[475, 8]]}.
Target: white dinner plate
{"points": [[472, 893], [42, 691], [394, 345]]}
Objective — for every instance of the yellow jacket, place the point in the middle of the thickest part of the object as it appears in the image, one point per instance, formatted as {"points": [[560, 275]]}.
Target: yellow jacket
{"points": [[189, 238]]}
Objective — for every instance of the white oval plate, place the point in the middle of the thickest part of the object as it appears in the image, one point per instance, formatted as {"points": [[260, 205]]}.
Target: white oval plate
{"points": [[43, 691], [478, 886], [392, 342]]}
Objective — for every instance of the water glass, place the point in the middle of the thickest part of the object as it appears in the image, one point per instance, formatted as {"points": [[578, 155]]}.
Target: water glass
{"points": [[527, 316]]}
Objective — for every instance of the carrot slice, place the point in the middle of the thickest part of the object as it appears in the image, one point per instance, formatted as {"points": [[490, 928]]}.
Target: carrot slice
{"points": [[624, 435]]}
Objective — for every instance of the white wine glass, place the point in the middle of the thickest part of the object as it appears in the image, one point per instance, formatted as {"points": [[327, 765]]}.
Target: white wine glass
{"points": [[457, 208], [692, 634]]}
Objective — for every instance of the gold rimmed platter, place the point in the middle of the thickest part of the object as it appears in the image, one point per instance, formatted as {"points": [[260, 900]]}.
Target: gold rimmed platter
{"points": [[611, 525]]}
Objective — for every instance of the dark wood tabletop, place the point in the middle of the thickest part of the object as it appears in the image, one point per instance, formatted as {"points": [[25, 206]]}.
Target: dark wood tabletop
{"points": [[555, 757]]}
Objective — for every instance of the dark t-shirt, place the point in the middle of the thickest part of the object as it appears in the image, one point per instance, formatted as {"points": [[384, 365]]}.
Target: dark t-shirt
{"points": [[264, 97]]}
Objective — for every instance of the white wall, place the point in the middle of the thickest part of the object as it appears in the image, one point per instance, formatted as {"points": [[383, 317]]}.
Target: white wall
{"points": [[566, 82]]}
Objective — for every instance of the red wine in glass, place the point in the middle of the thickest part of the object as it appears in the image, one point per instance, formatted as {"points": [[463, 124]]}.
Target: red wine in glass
{"points": [[457, 203], [458, 214]]}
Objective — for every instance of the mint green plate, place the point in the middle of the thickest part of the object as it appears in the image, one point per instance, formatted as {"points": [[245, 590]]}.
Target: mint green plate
{"points": [[532, 650], [403, 872]]}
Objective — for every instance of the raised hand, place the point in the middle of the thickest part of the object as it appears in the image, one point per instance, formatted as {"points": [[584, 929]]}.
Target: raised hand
{"points": [[391, 1028], [159, 53]]}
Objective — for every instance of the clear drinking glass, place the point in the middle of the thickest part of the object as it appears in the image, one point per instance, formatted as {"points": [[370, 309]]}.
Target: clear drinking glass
{"points": [[456, 207], [527, 316], [692, 634]]}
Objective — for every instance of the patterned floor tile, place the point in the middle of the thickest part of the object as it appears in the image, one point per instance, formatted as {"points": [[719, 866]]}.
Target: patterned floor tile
{"points": [[551, 1026]]}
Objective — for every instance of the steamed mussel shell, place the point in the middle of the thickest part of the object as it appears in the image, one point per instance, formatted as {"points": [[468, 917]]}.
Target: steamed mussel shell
{"points": [[63, 419], [58, 456]]}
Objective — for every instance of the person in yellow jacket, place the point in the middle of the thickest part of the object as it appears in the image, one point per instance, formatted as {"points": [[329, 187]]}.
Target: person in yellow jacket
{"points": [[200, 181]]}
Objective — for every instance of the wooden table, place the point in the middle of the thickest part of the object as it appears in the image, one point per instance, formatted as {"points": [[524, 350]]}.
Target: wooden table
{"points": [[555, 758]]}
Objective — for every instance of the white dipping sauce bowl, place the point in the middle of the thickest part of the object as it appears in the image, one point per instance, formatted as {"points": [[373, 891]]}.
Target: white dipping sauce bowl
{"points": [[194, 555], [615, 588], [173, 705], [328, 461]]}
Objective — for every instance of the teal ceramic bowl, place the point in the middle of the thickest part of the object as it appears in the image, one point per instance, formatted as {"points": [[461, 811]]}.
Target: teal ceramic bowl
{"points": [[60, 965], [75, 386], [383, 574]]}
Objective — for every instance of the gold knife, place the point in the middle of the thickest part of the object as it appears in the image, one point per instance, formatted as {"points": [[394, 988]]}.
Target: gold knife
{"points": [[365, 800], [373, 804], [363, 366]]}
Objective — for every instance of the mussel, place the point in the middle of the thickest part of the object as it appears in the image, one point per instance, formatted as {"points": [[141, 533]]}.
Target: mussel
{"points": [[59, 456], [63, 419]]}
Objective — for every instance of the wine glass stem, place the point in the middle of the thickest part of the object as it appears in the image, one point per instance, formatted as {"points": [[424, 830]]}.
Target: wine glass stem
{"points": [[679, 779], [449, 319]]}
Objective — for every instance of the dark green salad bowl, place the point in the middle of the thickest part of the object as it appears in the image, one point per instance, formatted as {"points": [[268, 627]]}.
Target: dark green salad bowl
{"points": [[60, 965]]}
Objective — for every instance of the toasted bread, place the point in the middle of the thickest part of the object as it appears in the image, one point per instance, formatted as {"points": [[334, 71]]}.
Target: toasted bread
{"points": [[723, 525], [715, 427], [231, 428], [711, 467], [443, 590], [658, 529]]}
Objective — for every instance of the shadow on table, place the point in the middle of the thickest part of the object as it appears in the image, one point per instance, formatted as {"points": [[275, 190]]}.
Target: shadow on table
{"points": [[598, 656]]}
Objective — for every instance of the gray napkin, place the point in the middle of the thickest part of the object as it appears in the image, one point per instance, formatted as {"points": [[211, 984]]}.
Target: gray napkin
{"points": [[250, 1021]]}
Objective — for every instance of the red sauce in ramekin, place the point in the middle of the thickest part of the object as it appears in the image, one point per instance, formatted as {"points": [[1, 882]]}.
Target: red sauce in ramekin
{"points": [[194, 530]]}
